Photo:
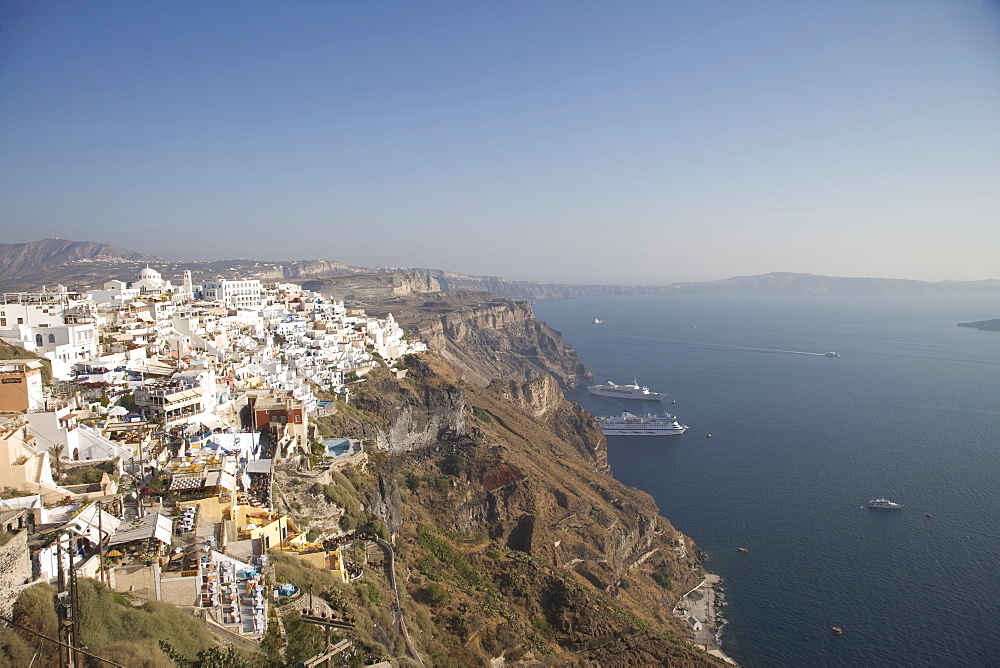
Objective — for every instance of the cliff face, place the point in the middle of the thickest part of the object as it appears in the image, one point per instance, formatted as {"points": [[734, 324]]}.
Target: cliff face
{"points": [[486, 338], [511, 532], [373, 288], [309, 269]]}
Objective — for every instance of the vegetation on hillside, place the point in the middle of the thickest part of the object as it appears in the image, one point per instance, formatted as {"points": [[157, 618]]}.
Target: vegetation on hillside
{"points": [[152, 635]]}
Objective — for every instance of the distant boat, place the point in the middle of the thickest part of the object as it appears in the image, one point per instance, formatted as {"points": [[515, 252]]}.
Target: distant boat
{"points": [[598, 321], [633, 391], [832, 354], [884, 504], [836, 630]]}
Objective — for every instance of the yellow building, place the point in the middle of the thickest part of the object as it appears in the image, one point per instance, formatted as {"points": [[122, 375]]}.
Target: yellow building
{"points": [[272, 529]]}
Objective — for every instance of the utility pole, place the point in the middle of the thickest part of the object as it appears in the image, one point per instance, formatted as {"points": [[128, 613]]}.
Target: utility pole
{"points": [[100, 543], [68, 605]]}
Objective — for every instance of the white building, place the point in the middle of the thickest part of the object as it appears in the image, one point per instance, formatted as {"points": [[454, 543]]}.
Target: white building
{"points": [[237, 294], [63, 345], [151, 283]]}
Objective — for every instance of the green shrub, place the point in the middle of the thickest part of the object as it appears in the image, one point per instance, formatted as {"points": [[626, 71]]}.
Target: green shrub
{"points": [[661, 576], [34, 610], [411, 480], [347, 523], [455, 465], [335, 597], [14, 653], [304, 639], [435, 595], [482, 415], [371, 591], [439, 483], [450, 557]]}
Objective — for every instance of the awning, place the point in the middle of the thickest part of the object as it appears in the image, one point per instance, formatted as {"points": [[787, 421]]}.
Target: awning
{"points": [[151, 526], [259, 466], [220, 479], [181, 484]]}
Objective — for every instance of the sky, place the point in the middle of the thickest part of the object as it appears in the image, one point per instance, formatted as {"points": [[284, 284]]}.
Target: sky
{"points": [[582, 141]]}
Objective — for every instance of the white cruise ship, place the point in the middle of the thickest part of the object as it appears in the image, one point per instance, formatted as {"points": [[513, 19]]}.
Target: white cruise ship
{"points": [[628, 424], [633, 391], [884, 504]]}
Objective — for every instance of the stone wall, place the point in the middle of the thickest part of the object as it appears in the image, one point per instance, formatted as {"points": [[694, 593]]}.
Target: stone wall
{"points": [[15, 569]]}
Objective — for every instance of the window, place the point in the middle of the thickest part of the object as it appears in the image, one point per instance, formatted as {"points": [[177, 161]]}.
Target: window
{"points": [[20, 321], [52, 338], [38, 339]]}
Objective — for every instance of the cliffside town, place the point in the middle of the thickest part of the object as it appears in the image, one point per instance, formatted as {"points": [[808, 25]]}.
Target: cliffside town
{"points": [[397, 476]]}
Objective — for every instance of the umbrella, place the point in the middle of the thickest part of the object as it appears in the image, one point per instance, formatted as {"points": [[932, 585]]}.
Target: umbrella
{"points": [[114, 553]]}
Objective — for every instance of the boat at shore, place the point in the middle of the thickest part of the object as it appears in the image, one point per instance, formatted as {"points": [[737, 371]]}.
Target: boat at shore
{"points": [[628, 424], [633, 391], [884, 504]]}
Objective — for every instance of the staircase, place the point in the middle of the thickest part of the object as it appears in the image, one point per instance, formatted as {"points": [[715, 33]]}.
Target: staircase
{"points": [[39, 466]]}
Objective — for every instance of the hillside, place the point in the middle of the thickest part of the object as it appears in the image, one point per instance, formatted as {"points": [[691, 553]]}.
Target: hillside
{"points": [[50, 254], [512, 537]]}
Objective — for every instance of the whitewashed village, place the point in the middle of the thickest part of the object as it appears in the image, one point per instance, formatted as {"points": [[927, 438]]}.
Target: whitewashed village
{"points": [[147, 459]]}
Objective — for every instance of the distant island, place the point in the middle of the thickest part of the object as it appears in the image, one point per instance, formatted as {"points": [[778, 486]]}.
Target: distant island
{"points": [[984, 325]]}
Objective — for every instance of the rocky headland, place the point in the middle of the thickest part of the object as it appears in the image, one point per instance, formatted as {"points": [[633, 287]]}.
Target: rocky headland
{"points": [[984, 325], [513, 539]]}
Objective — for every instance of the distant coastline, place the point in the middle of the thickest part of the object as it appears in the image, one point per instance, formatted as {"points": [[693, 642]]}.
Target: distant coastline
{"points": [[984, 325], [78, 264]]}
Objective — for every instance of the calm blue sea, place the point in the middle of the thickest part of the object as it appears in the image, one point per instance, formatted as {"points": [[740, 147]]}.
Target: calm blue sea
{"points": [[910, 411]]}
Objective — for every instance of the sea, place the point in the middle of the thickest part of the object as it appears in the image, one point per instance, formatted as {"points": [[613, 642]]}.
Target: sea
{"points": [[800, 441]]}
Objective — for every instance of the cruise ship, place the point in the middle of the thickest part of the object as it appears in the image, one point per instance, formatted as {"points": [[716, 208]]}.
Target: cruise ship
{"points": [[628, 424], [633, 391], [885, 504]]}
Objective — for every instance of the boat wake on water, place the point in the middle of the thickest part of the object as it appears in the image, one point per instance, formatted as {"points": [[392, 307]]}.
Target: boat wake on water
{"points": [[762, 350]]}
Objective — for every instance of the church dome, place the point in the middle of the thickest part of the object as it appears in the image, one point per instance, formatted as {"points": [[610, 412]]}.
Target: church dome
{"points": [[148, 274]]}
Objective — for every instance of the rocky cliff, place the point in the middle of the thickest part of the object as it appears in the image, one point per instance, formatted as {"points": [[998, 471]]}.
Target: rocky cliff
{"points": [[372, 288], [513, 539], [487, 338], [309, 269]]}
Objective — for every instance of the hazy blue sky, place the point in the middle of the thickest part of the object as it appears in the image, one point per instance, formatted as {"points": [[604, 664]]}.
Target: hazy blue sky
{"points": [[616, 141]]}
